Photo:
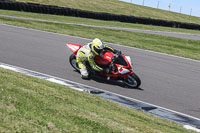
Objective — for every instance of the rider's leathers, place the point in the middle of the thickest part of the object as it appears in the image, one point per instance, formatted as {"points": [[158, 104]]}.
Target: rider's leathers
{"points": [[85, 54]]}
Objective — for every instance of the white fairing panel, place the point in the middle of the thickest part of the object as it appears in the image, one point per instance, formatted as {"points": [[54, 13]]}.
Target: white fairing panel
{"points": [[129, 60], [123, 70], [73, 47]]}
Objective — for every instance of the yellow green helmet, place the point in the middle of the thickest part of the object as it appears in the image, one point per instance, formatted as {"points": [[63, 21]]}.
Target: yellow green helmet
{"points": [[97, 46]]}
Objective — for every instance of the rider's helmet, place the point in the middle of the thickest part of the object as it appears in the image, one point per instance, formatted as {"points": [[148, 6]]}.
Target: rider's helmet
{"points": [[97, 46]]}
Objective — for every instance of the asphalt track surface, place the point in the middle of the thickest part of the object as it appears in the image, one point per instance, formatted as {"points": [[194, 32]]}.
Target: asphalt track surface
{"points": [[167, 81], [162, 33]]}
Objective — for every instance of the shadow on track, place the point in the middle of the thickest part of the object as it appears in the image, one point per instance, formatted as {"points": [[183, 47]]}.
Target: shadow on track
{"points": [[112, 82]]}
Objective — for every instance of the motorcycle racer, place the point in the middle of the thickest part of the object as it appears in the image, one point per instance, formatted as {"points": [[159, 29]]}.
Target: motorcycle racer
{"points": [[88, 52]]}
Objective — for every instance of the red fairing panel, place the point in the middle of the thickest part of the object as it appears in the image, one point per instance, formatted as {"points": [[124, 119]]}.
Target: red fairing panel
{"points": [[74, 47], [104, 59]]}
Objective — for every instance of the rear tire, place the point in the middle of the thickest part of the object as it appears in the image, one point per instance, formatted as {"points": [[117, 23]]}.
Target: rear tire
{"points": [[133, 81], [73, 62]]}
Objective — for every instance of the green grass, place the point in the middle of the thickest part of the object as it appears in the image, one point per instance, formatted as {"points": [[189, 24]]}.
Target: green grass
{"points": [[29, 104], [118, 7], [169, 45], [78, 20]]}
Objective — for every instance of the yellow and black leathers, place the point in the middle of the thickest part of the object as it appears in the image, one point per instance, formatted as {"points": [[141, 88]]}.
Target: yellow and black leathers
{"points": [[86, 54]]}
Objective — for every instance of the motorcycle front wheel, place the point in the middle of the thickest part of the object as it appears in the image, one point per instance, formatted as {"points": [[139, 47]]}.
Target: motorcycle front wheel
{"points": [[73, 62], [133, 81]]}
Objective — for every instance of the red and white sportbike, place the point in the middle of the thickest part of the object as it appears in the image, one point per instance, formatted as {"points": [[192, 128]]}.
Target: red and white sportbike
{"points": [[120, 67]]}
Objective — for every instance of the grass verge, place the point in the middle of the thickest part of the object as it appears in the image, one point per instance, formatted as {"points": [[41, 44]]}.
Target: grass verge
{"points": [[78, 20], [29, 104], [169, 45], [119, 7]]}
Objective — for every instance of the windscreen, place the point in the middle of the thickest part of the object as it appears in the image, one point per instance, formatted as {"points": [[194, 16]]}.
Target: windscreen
{"points": [[120, 60]]}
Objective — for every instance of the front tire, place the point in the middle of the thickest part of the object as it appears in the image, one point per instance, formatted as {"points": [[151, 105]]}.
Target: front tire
{"points": [[133, 81], [73, 62]]}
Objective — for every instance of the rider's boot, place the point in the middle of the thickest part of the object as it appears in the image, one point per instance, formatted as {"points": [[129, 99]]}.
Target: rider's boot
{"points": [[84, 73]]}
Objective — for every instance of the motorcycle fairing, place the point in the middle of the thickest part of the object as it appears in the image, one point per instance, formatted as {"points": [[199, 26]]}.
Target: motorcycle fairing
{"points": [[122, 70], [129, 60], [74, 47], [105, 58]]}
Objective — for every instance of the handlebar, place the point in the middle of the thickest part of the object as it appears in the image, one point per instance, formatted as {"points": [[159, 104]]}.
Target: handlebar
{"points": [[115, 57]]}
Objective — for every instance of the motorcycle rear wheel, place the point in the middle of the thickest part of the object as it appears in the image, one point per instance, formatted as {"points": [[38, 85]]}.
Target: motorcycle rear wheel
{"points": [[73, 62], [133, 81]]}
